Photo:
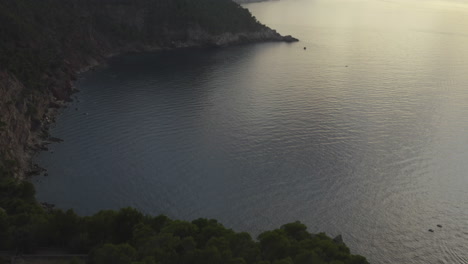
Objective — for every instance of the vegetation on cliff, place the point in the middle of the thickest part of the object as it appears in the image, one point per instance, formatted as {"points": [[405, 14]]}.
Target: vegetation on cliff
{"points": [[43, 44], [37, 37], [128, 236]]}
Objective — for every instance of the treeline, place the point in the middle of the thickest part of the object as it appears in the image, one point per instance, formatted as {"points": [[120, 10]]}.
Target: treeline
{"points": [[42, 43], [128, 236], [37, 36]]}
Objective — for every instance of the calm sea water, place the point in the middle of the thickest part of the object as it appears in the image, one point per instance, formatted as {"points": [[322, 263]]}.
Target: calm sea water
{"points": [[363, 134]]}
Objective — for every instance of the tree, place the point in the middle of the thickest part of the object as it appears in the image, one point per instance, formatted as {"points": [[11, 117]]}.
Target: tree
{"points": [[114, 254], [307, 257], [3, 229], [296, 230], [274, 245], [124, 222]]}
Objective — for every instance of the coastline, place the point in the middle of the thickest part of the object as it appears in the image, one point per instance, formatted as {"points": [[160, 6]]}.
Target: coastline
{"points": [[29, 137], [43, 53]]}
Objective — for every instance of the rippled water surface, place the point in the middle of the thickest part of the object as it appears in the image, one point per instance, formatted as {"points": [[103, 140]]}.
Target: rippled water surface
{"points": [[363, 134]]}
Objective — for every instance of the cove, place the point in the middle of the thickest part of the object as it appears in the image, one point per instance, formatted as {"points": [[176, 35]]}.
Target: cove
{"points": [[363, 134]]}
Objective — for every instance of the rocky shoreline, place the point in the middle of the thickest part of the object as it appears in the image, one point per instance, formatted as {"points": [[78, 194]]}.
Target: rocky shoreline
{"points": [[28, 119], [42, 53]]}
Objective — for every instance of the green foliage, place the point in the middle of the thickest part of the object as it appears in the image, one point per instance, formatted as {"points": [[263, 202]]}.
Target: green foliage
{"points": [[31, 110], [2, 125], [296, 230], [124, 222], [128, 236], [274, 245], [39, 38], [14, 194], [114, 254], [75, 260], [3, 227], [7, 168], [287, 260]]}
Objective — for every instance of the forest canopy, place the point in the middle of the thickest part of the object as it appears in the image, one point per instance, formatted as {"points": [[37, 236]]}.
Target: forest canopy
{"points": [[129, 236], [36, 36]]}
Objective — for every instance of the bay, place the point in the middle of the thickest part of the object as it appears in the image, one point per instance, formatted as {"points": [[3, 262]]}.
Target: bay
{"points": [[362, 134]]}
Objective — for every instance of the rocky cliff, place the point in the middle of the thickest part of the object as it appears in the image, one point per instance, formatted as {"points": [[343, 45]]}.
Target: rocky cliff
{"points": [[44, 44]]}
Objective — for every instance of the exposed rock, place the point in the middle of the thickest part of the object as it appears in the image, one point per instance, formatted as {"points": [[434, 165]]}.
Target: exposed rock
{"points": [[36, 170], [54, 105], [290, 38], [55, 140], [47, 206], [41, 147]]}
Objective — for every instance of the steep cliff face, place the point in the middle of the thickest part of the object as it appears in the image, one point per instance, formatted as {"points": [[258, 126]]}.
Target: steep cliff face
{"points": [[14, 127], [24, 120], [44, 44]]}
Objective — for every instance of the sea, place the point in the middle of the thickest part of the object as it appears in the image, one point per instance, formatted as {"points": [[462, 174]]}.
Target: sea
{"points": [[359, 129]]}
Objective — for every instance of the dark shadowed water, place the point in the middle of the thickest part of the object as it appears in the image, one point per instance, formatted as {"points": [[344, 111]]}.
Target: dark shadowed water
{"points": [[363, 134]]}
